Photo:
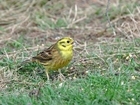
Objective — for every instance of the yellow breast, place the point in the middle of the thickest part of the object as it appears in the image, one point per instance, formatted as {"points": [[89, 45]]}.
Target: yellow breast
{"points": [[67, 54], [60, 61]]}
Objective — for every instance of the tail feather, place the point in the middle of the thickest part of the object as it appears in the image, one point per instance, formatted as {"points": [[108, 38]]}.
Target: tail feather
{"points": [[22, 64], [26, 61]]}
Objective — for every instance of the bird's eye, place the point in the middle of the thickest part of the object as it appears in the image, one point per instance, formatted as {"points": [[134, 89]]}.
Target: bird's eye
{"points": [[68, 41]]}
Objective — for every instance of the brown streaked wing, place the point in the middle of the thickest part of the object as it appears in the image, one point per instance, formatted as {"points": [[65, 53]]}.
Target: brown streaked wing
{"points": [[44, 56]]}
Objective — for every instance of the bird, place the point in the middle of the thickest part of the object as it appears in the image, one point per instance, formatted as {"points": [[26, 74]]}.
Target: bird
{"points": [[56, 56]]}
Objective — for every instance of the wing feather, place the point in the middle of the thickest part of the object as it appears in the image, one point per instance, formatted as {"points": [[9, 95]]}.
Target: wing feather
{"points": [[44, 56]]}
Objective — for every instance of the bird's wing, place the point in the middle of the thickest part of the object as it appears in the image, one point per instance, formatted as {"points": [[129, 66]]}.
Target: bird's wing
{"points": [[44, 56]]}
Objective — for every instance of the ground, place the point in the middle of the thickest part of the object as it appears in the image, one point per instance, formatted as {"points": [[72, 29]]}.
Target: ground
{"points": [[105, 69]]}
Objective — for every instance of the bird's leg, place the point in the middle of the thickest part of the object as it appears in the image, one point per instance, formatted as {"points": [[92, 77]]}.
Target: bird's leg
{"points": [[61, 76], [48, 78]]}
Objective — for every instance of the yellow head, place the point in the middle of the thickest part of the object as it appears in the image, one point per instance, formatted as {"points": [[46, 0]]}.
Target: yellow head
{"points": [[65, 44]]}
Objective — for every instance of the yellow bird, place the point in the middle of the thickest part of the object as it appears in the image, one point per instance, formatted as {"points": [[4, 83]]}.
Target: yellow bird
{"points": [[56, 56]]}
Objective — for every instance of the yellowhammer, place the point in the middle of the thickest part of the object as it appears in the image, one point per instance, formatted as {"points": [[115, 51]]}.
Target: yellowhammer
{"points": [[56, 56]]}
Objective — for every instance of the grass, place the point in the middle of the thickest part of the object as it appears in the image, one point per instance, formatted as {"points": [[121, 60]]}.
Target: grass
{"points": [[105, 69], [95, 89], [113, 80]]}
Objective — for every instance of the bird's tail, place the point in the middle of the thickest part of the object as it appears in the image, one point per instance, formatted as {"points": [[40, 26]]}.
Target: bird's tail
{"points": [[26, 61], [23, 63]]}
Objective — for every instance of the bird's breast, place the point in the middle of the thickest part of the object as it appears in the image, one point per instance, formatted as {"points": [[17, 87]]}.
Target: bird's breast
{"points": [[66, 54]]}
